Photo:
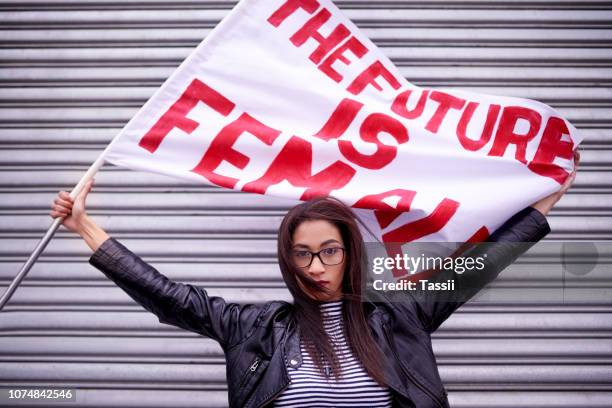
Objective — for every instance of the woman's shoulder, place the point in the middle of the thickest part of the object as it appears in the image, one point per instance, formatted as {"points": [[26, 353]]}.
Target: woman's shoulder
{"points": [[276, 312]]}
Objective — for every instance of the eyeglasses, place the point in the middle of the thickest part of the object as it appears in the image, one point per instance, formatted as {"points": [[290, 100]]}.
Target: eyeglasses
{"points": [[328, 256]]}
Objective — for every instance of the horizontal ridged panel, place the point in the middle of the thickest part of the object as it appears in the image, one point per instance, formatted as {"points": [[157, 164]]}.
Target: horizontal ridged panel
{"points": [[200, 349], [422, 75], [472, 320], [190, 376], [383, 35]]}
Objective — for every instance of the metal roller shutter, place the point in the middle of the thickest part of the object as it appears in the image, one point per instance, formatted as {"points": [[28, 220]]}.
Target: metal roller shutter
{"points": [[73, 72]]}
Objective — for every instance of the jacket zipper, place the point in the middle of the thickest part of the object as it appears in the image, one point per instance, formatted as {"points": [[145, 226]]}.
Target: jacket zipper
{"points": [[255, 364], [414, 380], [271, 397], [252, 369]]}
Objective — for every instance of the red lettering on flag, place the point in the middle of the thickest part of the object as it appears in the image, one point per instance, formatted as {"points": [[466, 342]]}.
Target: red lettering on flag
{"points": [[369, 131], [414, 230], [446, 102], [221, 148], [400, 103], [551, 146], [479, 236], [176, 116], [424, 226], [487, 131], [294, 164], [290, 7], [326, 44], [353, 45], [340, 120], [369, 76], [505, 132], [385, 213]]}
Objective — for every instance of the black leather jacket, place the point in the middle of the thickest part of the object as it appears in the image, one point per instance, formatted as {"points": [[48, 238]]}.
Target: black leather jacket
{"points": [[259, 341]]}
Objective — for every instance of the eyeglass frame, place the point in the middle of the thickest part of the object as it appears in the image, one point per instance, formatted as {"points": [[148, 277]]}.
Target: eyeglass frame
{"points": [[313, 254]]}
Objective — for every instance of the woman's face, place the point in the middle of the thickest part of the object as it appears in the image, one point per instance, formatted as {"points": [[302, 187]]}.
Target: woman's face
{"points": [[315, 236]]}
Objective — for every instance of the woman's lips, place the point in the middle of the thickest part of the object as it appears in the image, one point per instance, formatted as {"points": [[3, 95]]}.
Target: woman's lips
{"points": [[322, 282]]}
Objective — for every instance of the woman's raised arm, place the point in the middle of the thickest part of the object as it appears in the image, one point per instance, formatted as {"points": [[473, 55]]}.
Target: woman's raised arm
{"points": [[179, 304], [504, 246]]}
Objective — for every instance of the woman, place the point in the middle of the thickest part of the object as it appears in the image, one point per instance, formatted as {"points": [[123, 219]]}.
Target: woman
{"points": [[330, 347]]}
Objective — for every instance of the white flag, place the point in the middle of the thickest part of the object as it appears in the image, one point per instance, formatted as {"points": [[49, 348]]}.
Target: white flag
{"points": [[289, 98]]}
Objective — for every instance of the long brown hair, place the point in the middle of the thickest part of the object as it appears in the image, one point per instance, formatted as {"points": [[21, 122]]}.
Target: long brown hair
{"points": [[306, 309]]}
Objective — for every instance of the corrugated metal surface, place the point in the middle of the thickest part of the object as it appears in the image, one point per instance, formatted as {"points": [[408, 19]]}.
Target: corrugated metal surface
{"points": [[73, 72]]}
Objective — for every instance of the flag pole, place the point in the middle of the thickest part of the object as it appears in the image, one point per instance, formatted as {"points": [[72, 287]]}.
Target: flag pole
{"points": [[93, 169]]}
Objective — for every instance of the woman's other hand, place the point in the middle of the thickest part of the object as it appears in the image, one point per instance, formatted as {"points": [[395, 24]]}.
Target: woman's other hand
{"points": [[74, 213], [545, 204]]}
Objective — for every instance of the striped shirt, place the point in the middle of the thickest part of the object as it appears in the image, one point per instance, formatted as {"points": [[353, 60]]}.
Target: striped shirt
{"points": [[308, 388]]}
